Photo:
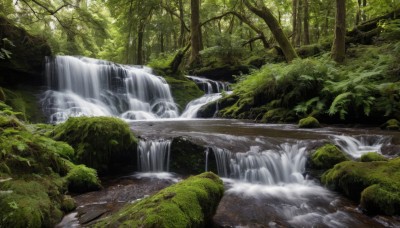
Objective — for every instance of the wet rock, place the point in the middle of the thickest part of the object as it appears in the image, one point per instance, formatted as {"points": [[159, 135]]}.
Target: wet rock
{"points": [[327, 156], [189, 203], [309, 122], [391, 124]]}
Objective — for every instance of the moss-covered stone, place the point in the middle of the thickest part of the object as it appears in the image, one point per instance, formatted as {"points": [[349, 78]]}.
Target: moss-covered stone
{"points": [[190, 203], [375, 184], [68, 204], [327, 156], [102, 143], [372, 156], [309, 122], [188, 157], [391, 124], [82, 179], [183, 91]]}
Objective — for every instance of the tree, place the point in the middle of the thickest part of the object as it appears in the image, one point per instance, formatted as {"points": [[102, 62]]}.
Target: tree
{"points": [[195, 31], [276, 29], [339, 42], [306, 31]]}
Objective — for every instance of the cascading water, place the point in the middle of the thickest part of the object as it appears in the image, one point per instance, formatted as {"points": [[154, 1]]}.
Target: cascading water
{"points": [[283, 165], [153, 156], [84, 86], [212, 90], [358, 145]]}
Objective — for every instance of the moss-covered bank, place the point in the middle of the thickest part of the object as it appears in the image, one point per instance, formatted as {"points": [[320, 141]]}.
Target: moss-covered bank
{"points": [[183, 90], [190, 203], [34, 174], [103, 143], [374, 184]]}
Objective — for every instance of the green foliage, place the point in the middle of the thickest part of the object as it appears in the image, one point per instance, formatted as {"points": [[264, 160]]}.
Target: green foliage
{"points": [[99, 142], [327, 156], [309, 122], [374, 184], [390, 29], [82, 179], [189, 203], [372, 156]]}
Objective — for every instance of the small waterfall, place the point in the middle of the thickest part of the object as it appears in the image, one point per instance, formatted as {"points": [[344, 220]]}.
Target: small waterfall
{"points": [[359, 145], [213, 91], [84, 86], [282, 165], [209, 86], [153, 156]]}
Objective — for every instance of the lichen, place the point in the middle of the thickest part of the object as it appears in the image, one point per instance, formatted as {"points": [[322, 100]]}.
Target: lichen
{"points": [[190, 203]]}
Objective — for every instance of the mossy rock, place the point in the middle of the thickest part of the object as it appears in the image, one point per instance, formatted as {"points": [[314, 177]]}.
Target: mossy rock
{"points": [[309, 122], [189, 203], [372, 156], [375, 184], [68, 204], [392, 124], [102, 143], [327, 156], [183, 91], [82, 179], [188, 157]]}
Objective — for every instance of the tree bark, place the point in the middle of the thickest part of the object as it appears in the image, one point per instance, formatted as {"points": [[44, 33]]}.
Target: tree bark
{"points": [[299, 22], [275, 28], [306, 24], [182, 25], [294, 21], [139, 54], [339, 42], [195, 31]]}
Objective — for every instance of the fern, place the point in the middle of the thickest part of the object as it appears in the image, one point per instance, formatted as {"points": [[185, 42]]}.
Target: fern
{"points": [[340, 104]]}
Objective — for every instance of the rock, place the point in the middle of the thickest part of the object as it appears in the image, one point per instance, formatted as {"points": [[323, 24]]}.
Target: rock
{"points": [[374, 184], [309, 122], [189, 203], [372, 156], [392, 124], [183, 91], [327, 156], [103, 143]]}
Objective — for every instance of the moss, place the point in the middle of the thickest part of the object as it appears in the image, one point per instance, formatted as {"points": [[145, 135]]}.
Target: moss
{"points": [[183, 91], [327, 156], [68, 204], [309, 122], [82, 179], [375, 184], [102, 143], [372, 156], [391, 124], [190, 203]]}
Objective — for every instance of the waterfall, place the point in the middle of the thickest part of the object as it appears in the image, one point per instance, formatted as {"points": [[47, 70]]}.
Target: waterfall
{"points": [[84, 86], [212, 90], [210, 86], [153, 156], [359, 145], [282, 165]]}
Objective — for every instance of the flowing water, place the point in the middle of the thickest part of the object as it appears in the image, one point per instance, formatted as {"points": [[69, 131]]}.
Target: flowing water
{"points": [[263, 166]]}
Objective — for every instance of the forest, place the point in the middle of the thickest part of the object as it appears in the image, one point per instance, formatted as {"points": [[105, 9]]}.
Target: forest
{"points": [[302, 96]]}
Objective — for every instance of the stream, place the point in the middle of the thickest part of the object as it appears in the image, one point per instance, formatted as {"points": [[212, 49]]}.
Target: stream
{"points": [[263, 166]]}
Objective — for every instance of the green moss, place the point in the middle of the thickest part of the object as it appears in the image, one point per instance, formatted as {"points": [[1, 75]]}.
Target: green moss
{"points": [[391, 124], [327, 156], [102, 143], [82, 179], [190, 203], [68, 204], [309, 122], [372, 156], [375, 184], [183, 91]]}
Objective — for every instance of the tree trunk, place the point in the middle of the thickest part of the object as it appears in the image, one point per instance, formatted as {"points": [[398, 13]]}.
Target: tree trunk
{"points": [[339, 42], [358, 15], [195, 31], [182, 25], [294, 21], [276, 30], [364, 16], [306, 24], [139, 54], [299, 22]]}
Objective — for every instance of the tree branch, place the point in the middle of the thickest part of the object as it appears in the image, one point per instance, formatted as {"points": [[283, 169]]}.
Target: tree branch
{"points": [[169, 10]]}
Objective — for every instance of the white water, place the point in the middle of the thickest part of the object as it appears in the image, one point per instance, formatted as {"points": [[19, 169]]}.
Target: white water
{"points": [[359, 145], [212, 90], [153, 156], [83, 86]]}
